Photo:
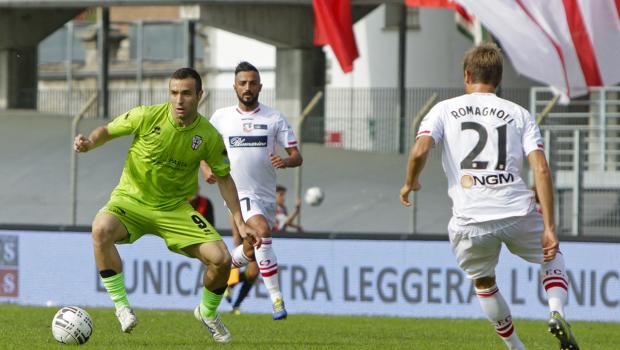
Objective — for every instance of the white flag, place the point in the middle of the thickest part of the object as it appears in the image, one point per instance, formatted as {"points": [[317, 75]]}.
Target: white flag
{"points": [[566, 44]]}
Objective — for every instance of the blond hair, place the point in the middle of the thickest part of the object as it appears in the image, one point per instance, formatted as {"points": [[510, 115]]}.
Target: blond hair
{"points": [[484, 64]]}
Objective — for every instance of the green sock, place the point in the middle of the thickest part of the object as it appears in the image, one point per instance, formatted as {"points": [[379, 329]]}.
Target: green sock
{"points": [[210, 302], [116, 287]]}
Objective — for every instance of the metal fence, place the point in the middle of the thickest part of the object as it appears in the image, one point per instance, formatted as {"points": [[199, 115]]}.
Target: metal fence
{"points": [[367, 120], [355, 119], [582, 143], [61, 102]]}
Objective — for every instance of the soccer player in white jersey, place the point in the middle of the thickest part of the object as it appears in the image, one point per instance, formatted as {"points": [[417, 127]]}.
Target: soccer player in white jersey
{"points": [[484, 142], [251, 131]]}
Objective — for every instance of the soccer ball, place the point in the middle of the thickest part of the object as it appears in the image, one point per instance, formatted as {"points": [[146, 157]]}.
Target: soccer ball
{"points": [[72, 325], [314, 196]]}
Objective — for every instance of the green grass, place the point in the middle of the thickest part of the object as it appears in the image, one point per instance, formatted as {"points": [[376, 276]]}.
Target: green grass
{"points": [[24, 327]]}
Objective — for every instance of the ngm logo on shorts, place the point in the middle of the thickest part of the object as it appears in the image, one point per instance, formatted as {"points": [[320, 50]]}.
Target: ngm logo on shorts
{"points": [[468, 181], [247, 141], [8, 266]]}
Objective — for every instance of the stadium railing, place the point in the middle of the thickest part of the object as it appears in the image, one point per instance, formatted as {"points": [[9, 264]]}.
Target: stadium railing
{"points": [[354, 119]]}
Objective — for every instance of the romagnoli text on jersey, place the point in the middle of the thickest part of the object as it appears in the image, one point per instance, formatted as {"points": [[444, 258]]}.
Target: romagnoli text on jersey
{"points": [[463, 111]]}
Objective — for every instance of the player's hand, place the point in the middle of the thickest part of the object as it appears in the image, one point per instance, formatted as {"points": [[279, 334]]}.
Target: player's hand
{"points": [[82, 144], [277, 161], [550, 245], [250, 236], [298, 203], [208, 174], [211, 179], [404, 192]]}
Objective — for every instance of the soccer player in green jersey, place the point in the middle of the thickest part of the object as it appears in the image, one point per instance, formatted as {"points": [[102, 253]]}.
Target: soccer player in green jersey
{"points": [[160, 174]]}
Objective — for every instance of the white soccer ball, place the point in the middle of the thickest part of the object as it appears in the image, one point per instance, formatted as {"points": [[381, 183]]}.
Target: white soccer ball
{"points": [[72, 325], [314, 196]]}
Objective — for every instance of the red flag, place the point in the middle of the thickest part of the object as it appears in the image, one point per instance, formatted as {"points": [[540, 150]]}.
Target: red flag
{"points": [[333, 26], [432, 3]]}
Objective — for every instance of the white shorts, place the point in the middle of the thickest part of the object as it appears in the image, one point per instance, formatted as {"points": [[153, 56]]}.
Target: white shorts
{"points": [[250, 206], [477, 246]]}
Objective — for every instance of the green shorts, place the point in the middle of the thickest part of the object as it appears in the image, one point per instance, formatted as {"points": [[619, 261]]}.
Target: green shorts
{"points": [[180, 227]]}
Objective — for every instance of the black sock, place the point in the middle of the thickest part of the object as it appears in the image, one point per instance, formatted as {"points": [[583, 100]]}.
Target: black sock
{"points": [[219, 291], [242, 277], [107, 273], [245, 289]]}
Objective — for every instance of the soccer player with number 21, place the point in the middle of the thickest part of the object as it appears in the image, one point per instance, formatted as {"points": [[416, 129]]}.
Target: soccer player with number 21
{"points": [[484, 141], [160, 174]]}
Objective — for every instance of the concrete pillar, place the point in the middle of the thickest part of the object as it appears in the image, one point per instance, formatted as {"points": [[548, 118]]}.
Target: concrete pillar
{"points": [[300, 74], [21, 30], [18, 78], [190, 50]]}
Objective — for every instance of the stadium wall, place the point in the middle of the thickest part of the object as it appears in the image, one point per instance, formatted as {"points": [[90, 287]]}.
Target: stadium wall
{"points": [[394, 276]]}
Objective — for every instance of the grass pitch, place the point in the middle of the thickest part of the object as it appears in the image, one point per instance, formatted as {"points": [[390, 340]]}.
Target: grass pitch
{"points": [[24, 327]]}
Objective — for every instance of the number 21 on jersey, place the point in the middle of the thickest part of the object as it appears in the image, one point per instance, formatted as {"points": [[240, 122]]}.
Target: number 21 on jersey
{"points": [[483, 136]]}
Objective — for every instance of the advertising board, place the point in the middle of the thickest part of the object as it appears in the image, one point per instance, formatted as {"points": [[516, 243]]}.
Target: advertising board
{"points": [[317, 276]]}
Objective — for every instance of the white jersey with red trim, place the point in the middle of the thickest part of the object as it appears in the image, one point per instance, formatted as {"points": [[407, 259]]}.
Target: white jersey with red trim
{"points": [[485, 139], [249, 138]]}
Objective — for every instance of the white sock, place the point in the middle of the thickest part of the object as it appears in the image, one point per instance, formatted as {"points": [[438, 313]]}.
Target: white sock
{"points": [[268, 265], [553, 277], [498, 312], [238, 258]]}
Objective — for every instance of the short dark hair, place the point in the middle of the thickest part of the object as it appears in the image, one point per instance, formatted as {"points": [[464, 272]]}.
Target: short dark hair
{"points": [[484, 64], [245, 67], [280, 188], [184, 73]]}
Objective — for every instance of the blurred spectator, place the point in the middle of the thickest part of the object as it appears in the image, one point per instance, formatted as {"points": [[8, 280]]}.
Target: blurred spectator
{"points": [[283, 220], [203, 205]]}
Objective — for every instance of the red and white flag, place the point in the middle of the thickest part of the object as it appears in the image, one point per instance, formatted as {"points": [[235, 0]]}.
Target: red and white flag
{"points": [[333, 26], [569, 45]]}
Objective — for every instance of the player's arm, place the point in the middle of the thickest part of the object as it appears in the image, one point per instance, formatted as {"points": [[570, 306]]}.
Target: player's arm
{"points": [[98, 137], [417, 160], [293, 160], [297, 227], [290, 218], [210, 178], [228, 190], [544, 188], [235, 232]]}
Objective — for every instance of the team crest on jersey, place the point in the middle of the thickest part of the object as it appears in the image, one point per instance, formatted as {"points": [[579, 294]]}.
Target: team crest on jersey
{"points": [[196, 141], [247, 127]]}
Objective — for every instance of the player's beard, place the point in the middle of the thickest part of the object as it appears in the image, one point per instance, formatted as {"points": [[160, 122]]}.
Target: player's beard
{"points": [[250, 102]]}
